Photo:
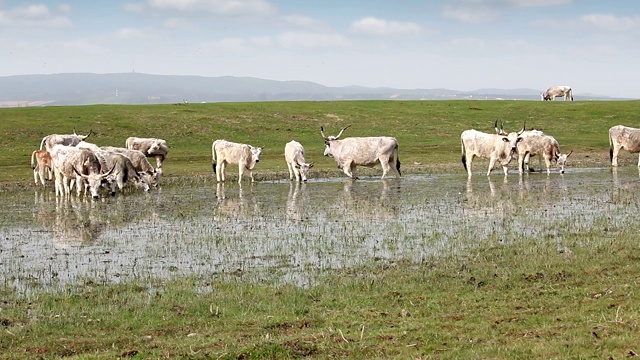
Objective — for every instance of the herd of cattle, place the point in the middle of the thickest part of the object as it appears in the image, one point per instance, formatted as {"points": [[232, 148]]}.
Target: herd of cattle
{"points": [[72, 161]]}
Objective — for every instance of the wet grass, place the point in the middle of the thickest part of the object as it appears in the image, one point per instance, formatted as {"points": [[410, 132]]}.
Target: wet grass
{"points": [[522, 300], [570, 293]]}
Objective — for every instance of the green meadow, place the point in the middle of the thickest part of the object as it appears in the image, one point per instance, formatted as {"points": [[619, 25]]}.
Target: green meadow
{"points": [[524, 299], [428, 131]]}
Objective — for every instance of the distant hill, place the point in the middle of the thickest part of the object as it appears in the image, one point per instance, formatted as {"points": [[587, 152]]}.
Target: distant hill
{"points": [[136, 88]]}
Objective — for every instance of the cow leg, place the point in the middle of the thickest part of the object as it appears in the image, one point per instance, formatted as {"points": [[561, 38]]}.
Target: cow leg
{"points": [[291, 171], [614, 156], [639, 161], [547, 162], [385, 168], [492, 163], [221, 169], [469, 162], [521, 162], [251, 175], [348, 170], [240, 171], [36, 173]]}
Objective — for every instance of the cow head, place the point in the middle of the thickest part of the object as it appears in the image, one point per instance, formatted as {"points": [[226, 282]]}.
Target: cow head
{"points": [[329, 139], [94, 181], [157, 147], [255, 156], [562, 161], [304, 170]]}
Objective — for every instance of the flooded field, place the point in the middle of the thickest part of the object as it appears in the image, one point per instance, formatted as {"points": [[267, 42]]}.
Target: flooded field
{"points": [[288, 231]]}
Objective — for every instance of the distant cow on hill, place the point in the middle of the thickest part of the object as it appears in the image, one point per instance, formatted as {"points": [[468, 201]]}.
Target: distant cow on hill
{"points": [[555, 91]]}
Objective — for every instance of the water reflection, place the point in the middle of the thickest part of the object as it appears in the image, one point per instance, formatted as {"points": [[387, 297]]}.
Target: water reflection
{"points": [[296, 200], [289, 230]]}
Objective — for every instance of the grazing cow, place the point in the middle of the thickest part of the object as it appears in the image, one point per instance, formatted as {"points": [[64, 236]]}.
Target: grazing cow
{"points": [[41, 165], [555, 91], [123, 171], [151, 147], [71, 163], [294, 156], [362, 151], [49, 141], [140, 163], [224, 152], [623, 137], [535, 142], [496, 147]]}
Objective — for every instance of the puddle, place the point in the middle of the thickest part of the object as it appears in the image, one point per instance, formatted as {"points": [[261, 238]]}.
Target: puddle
{"points": [[288, 230]]}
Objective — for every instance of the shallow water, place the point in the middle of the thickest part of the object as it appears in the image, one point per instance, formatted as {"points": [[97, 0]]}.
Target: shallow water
{"points": [[288, 230]]}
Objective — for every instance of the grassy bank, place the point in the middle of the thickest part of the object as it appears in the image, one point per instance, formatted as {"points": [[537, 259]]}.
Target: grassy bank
{"points": [[428, 131], [519, 301]]}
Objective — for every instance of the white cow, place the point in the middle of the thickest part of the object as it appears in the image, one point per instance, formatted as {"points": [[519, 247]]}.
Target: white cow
{"points": [[140, 163], [623, 137], [71, 163], [362, 151], [225, 152], [42, 166], [535, 142], [49, 141], [495, 147], [296, 162], [123, 172], [555, 91], [151, 147]]}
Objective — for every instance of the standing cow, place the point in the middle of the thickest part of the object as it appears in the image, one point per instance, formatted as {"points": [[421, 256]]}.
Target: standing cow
{"points": [[555, 91], [535, 142], [79, 165], [362, 151], [49, 141], [495, 147], [225, 152], [623, 137], [296, 162], [41, 166], [151, 147]]}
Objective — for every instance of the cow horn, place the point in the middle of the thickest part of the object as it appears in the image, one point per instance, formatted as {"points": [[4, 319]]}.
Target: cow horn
{"points": [[77, 172], [569, 153], [496, 127], [341, 131], [90, 130], [524, 125], [322, 132], [109, 172]]}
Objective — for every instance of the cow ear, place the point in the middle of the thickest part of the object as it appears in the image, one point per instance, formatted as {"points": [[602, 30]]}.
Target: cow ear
{"points": [[311, 165], [505, 139]]}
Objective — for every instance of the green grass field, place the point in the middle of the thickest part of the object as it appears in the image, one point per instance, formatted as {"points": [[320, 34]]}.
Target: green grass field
{"points": [[524, 300], [428, 131]]}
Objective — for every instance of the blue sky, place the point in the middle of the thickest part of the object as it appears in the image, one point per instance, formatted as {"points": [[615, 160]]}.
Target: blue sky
{"points": [[594, 46]]}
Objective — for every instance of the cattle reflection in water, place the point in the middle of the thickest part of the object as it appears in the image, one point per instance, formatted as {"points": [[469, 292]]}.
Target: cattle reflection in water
{"points": [[231, 207], [72, 223], [370, 199], [296, 201]]}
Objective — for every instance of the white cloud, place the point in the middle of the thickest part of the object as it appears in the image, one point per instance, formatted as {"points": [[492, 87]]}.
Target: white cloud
{"points": [[214, 7], [480, 11], [611, 22], [261, 41], [33, 16], [311, 40], [375, 26], [129, 33], [83, 47], [299, 20]]}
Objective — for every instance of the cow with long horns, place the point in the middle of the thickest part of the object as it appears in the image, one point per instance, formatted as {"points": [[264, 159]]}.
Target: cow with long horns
{"points": [[362, 151], [500, 147], [556, 91], [225, 152]]}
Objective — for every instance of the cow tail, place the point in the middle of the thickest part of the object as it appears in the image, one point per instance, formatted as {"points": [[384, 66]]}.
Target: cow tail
{"points": [[464, 156], [398, 161], [213, 156], [610, 147], [44, 139], [33, 158]]}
